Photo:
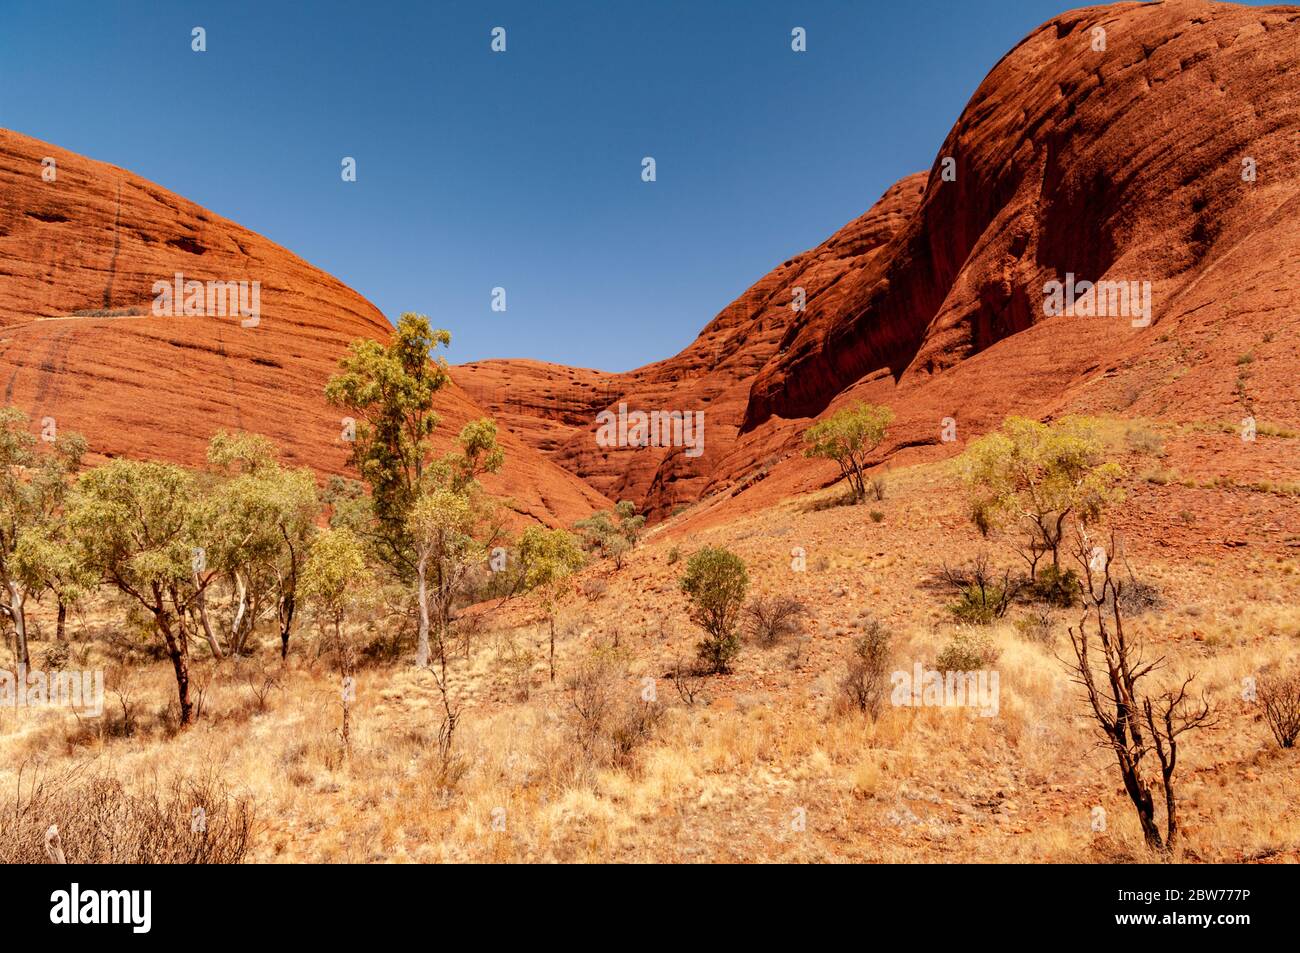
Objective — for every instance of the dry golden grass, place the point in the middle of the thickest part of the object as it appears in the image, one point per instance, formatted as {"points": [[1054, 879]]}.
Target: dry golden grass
{"points": [[764, 767]]}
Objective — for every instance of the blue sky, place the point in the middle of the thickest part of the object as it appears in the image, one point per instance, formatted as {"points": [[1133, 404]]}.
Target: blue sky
{"points": [[520, 169]]}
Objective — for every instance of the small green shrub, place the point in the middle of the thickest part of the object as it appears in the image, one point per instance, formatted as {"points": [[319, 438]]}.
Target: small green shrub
{"points": [[865, 682], [979, 606], [1038, 627], [1057, 588], [715, 582], [967, 652], [983, 596]]}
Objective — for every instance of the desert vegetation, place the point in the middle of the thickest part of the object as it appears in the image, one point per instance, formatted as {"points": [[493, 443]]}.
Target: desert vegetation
{"points": [[848, 437], [280, 653]]}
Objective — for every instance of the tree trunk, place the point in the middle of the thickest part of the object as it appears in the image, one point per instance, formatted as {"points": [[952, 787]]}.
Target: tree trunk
{"points": [[241, 613], [422, 648], [62, 621], [1140, 794], [213, 642], [176, 651], [288, 596], [854, 478], [1171, 814], [1055, 539], [551, 620], [286, 623], [249, 610], [19, 616], [446, 594], [345, 666]]}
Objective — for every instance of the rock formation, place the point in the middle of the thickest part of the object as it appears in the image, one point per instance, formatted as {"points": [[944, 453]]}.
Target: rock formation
{"points": [[1152, 145], [79, 341]]}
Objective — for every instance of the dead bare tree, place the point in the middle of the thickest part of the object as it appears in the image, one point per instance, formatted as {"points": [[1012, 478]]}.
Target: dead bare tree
{"points": [[689, 685], [1136, 722], [866, 678], [1279, 697], [261, 681], [769, 620], [984, 597], [121, 680], [450, 767]]}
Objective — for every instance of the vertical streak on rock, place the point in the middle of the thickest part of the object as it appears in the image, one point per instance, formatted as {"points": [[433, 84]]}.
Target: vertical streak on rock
{"points": [[117, 245]]}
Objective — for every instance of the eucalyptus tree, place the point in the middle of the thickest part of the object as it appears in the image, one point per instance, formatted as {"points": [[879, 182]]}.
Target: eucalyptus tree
{"points": [[34, 487], [389, 388], [549, 558], [261, 517], [138, 525]]}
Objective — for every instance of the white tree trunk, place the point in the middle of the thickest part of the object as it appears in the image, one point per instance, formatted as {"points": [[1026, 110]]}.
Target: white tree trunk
{"points": [[16, 599], [213, 642], [422, 648], [245, 618]]}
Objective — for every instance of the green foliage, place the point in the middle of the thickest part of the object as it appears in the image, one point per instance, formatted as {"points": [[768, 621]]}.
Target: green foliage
{"points": [[982, 595], [48, 558], [848, 436], [548, 558], [611, 534], [34, 550], [715, 582], [1058, 587], [979, 606], [446, 525], [335, 576], [479, 452], [257, 522], [389, 389], [866, 678], [138, 524], [1038, 475], [240, 452], [349, 506], [443, 522], [967, 652]]}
